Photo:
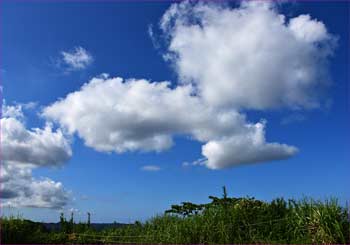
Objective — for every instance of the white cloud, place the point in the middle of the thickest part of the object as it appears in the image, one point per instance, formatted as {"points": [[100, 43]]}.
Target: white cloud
{"points": [[200, 161], [228, 60], [114, 116], [14, 111], [248, 57], [19, 188], [139, 115], [36, 147], [74, 210], [22, 151], [150, 168], [245, 148], [30, 105], [77, 59], [111, 114], [308, 30]]}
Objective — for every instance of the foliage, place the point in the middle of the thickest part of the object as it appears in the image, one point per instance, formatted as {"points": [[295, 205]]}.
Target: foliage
{"points": [[224, 220]]}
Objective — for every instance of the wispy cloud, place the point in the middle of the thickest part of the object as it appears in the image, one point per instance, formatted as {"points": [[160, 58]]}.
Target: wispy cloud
{"points": [[76, 59], [150, 168], [153, 37], [198, 162]]}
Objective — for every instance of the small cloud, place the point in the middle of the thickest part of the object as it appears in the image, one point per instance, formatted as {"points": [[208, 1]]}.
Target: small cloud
{"points": [[16, 109], [151, 168], [12, 111], [76, 59], [153, 37], [293, 118], [103, 76], [150, 31], [198, 162], [84, 197], [30, 105], [74, 210]]}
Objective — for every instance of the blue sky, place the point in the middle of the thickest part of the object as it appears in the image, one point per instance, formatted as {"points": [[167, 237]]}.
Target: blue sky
{"points": [[115, 36]]}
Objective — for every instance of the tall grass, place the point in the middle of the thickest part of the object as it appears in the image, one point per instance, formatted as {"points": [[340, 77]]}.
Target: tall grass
{"points": [[250, 221], [224, 220]]}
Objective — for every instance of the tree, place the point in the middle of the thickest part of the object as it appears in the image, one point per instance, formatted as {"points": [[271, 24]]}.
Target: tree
{"points": [[224, 192], [88, 221], [71, 222]]}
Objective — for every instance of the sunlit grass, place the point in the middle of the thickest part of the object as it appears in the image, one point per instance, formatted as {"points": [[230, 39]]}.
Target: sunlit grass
{"points": [[224, 220]]}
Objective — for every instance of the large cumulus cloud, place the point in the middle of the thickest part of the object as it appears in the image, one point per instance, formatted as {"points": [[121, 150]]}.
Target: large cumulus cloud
{"points": [[248, 57], [228, 60], [111, 114]]}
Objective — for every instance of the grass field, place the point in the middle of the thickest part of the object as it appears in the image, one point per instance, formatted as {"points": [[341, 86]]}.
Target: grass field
{"points": [[224, 220]]}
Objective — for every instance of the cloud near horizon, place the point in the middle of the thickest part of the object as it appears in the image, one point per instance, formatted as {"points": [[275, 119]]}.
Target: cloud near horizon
{"points": [[24, 150]]}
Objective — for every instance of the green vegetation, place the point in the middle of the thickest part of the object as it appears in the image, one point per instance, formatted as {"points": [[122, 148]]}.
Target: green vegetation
{"points": [[224, 220]]}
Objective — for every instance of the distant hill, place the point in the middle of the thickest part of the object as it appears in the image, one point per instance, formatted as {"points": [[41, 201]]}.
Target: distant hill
{"points": [[96, 226]]}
